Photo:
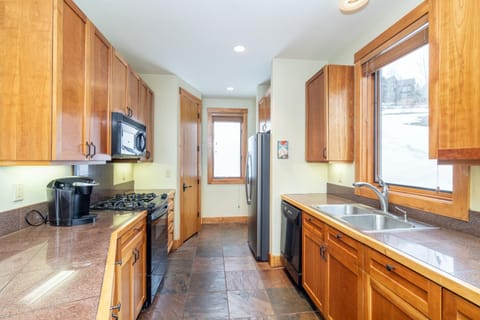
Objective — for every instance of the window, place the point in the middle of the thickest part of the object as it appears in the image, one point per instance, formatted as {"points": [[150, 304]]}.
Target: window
{"points": [[227, 143], [392, 137]]}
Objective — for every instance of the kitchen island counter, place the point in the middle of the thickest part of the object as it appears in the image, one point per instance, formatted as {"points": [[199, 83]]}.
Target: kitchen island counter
{"points": [[449, 258], [49, 272]]}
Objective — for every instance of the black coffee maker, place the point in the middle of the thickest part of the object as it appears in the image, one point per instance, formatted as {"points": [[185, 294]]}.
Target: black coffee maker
{"points": [[69, 201]]}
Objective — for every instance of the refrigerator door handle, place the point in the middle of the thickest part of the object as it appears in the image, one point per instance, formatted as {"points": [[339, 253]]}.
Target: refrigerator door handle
{"points": [[248, 180]]}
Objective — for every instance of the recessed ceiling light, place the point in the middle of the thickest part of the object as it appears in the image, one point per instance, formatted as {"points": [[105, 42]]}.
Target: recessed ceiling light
{"points": [[239, 48], [350, 6], [230, 88]]}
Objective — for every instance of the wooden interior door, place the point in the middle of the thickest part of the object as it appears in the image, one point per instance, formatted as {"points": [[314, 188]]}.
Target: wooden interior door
{"points": [[189, 188]]}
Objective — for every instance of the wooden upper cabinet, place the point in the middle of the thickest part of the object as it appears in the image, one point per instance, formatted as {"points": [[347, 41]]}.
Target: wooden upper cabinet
{"points": [[70, 77], [133, 99], [149, 123], [264, 114], [454, 39], [329, 115], [119, 83], [98, 109], [26, 80]]}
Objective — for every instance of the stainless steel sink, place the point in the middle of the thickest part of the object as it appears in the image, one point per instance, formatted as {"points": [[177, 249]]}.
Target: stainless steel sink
{"points": [[338, 210], [381, 223], [368, 219]]}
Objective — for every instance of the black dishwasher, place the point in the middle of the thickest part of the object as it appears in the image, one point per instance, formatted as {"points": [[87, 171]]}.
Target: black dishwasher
{"points": [[291, 241]]}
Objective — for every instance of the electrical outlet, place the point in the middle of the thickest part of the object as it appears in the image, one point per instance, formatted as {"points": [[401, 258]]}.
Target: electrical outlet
{"points": [[18, 192]]}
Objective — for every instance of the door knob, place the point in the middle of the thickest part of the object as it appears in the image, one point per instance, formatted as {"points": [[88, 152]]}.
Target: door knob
{"points": [[185, 187]]}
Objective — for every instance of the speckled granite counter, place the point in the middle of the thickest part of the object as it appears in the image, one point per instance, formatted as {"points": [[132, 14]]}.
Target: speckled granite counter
{"points": [[56, 272], [449, 258]]}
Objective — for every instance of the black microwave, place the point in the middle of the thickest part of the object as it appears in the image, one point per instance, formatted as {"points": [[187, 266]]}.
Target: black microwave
{"points": [[129, 139]]}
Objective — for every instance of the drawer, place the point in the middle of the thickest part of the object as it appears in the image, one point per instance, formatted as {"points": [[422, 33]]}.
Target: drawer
{"points": [[135, 228], [413, 288], [313, 224], [346, 247]]}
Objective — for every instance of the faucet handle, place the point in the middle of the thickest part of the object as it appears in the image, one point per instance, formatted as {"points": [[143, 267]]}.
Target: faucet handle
{"points": [[383, 184]]}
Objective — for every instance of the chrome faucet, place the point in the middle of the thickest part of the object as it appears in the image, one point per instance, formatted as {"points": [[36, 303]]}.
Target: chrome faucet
{"points": [[382, 196]]}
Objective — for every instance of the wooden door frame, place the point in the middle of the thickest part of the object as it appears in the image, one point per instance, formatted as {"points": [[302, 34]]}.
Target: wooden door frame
{"points": [[196, 100]]}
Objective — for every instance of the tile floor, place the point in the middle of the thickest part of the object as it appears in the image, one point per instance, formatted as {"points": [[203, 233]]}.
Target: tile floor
{"points": [[214, 276]]}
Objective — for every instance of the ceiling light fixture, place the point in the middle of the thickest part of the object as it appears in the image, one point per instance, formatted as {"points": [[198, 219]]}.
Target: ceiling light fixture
{"points": [[350, 6], [230, 89], [239, 48]]}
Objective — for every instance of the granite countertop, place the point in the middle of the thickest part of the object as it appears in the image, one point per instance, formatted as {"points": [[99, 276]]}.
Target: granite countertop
{"points": [[449, 258], [49, 272]]}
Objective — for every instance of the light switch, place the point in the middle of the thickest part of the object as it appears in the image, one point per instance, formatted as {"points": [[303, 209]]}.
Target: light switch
{"points": [[18, 192]]}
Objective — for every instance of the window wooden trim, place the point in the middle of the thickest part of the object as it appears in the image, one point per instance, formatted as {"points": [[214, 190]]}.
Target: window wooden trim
{"points": [[228, 114], [455, 204]]}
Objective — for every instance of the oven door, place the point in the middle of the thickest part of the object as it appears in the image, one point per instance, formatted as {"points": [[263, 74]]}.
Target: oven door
{"points": [[157, 262]]}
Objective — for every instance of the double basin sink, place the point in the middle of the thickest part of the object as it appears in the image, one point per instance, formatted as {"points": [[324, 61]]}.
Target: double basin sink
{"points": [[368, 219]]}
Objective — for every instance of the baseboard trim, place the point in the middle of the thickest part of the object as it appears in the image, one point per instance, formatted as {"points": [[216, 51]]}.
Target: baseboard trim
{"points": [[176, 244], [220, 220], [275, 261]]}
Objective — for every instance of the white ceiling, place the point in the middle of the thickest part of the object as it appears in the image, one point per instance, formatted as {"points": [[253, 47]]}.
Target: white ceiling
{"points": [[193, 39]]}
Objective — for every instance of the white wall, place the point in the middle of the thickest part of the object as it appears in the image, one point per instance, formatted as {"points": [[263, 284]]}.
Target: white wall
{"points": [[223, 200], [164, 172], [292, 175], [344, 174], [34, 180]]}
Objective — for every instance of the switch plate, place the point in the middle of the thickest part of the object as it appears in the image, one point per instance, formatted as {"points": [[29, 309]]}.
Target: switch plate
{"points": [[18, 192]]}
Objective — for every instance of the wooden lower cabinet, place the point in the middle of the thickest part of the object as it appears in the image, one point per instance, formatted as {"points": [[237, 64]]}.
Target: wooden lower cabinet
{"points": [[397, 292], [456, 308], [344, 269], [130, 273], [314, 265]]}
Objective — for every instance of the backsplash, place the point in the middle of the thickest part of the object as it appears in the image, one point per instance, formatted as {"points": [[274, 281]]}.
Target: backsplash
{"points": [[14, 220], [471, 227]]}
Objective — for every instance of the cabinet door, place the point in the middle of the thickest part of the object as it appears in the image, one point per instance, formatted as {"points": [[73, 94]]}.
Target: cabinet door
{"points": [[142, 102], [457, 308], [133, 86], [70, 136], [314, 267], [119, 83], [340, 113], [264, 114], [139, 275], [393, 289], [454, 97], [316, 112], [345, 285], [98, 115], [124, 280], [26, 36], [149, 123]]}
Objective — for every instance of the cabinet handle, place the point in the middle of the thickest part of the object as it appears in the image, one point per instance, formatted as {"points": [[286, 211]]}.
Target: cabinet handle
{"points": [[114, 316], [137, 229], [88, 150], [338, 236], [119, 262], [309, 219], [389, 267], [134, 253], [147, 154], [323, 249], [94, 150], [117, 307], [324, 152]]}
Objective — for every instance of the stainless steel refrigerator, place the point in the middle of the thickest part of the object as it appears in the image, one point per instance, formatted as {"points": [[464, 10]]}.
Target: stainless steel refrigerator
{"points": [[257, 191]]}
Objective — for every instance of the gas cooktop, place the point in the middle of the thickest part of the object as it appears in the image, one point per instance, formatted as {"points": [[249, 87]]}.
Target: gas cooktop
{"points": [[130, 201]]}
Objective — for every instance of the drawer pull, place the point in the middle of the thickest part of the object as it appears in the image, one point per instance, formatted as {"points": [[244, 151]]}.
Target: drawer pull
{"points": [[338, 236], [309, 219], [116, 307], [389, 267]]}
